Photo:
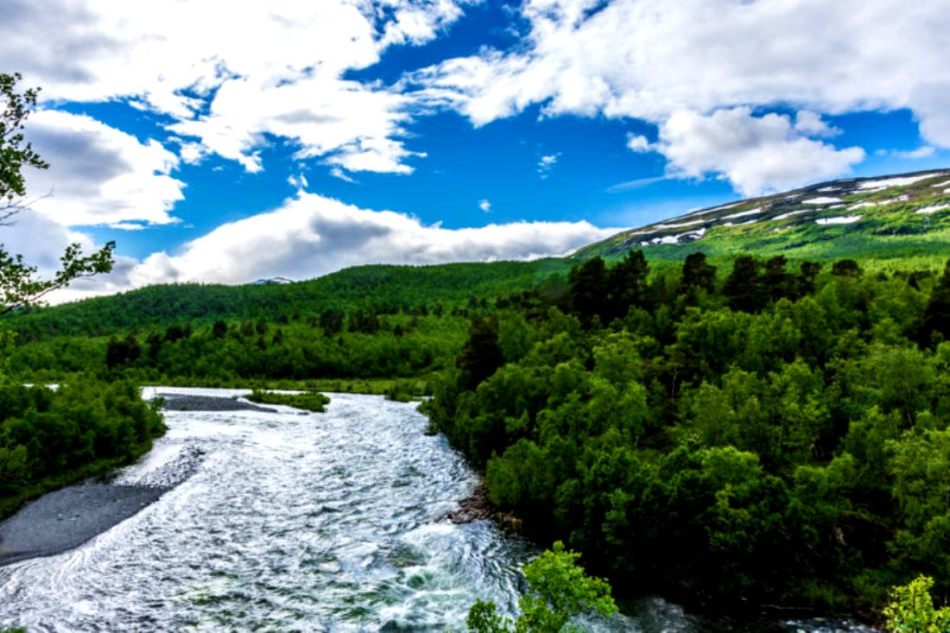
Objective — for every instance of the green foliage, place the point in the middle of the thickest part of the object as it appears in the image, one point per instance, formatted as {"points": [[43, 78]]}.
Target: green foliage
{"points": [[19, 285], [558, 590], [316, 402], [481, 355], [911, 609], [781, 439], [48, 438], [400, 391]]}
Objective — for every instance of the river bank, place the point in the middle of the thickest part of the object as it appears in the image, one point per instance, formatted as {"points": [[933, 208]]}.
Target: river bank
{"points": [[352, 520], [64, 515]]}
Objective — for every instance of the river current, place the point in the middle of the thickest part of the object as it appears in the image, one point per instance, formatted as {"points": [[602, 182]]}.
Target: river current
{"points": [[290, 521]]}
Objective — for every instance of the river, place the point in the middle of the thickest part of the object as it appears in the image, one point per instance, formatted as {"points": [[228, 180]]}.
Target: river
{"points": [[285, 521]]}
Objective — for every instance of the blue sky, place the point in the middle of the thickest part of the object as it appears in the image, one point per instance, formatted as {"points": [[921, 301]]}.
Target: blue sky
{"points": [[207, 146]]}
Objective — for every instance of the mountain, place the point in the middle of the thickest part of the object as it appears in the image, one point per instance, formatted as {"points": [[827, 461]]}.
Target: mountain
{"points": [[901, 216], [902, 219]]}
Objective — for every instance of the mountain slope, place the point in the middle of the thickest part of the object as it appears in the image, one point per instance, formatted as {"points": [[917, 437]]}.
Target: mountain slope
{"points": [[901, 219], [902, 216], [375, 287]]}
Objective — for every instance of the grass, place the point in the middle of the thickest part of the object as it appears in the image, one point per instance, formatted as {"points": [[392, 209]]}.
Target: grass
{"points": [[316, 402]]}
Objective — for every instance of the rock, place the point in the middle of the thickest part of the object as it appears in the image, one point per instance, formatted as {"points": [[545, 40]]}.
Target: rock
{"points": [[478, 507]]}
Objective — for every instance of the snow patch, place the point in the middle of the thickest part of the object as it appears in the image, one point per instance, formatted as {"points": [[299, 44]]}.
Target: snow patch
{"points": [[822, 200], [721, 208], [742, 214], [903, 181], [679, 225], [675, 239], [933, 209], [941, 184], [791, 213], [841, 219]]}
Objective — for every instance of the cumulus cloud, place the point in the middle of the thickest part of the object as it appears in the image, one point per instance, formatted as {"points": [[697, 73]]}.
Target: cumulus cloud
{"points": [[485, 206], [653, 59], [98, 174], [271, 69], [40, 240], [311, 235], [639, 143], [758, 154], [546, 163]]}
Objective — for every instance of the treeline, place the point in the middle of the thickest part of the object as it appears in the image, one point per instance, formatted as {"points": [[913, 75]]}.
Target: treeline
{"points": [[52, 437], [769, 435], [382, 289], [335, 344]]}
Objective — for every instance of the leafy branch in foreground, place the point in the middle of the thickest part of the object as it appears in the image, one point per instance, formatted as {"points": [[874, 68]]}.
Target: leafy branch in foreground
{"points": [[19, 284], [20, 287], [558, 590], [14, 155]]}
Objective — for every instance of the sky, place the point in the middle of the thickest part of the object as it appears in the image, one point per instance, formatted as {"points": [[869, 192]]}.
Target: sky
{"points": [[228, 142]]}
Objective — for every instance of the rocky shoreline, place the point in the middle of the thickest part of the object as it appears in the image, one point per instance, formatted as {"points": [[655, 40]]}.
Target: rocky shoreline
{"points": [[64, 519], [477, 507], [181, 402]]}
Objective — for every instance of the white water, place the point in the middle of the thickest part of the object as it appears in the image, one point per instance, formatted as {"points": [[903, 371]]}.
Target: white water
{"points": [[291, 522]]}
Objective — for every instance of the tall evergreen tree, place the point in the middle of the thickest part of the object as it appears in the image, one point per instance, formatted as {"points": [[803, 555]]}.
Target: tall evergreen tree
{"points": [[481, 355], [697, 275], [589, 290], [743, 288], [937, 315], [627, 284]]}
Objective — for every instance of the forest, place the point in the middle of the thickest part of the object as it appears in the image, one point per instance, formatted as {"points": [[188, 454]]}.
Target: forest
{"points": [[777, 438], [726, 432], [52, 437]]}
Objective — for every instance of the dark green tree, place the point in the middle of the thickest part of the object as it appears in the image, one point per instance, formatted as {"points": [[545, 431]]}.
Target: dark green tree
{"points": [[589, 290], [776, 281], [331, 321], [627, 284], [807, 276], [219, 329], [122, 351], [481, 356], [697, 275], [743, 287], [937, 315], [846, 268]]}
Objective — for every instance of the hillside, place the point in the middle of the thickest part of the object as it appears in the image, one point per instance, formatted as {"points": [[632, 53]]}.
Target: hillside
{"points": [[902, 220], [379, 288], [902, 216]]}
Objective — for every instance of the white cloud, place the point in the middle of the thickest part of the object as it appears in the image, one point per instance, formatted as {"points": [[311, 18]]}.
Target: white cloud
{"points": [[336, 172], [546, 163], [651, 59], [637, 183], [810, 123], [98, 174], [639, 143], [231, 76], [311, 235], [924, 151], [40, 240], [757, 154], [485, 206]]}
